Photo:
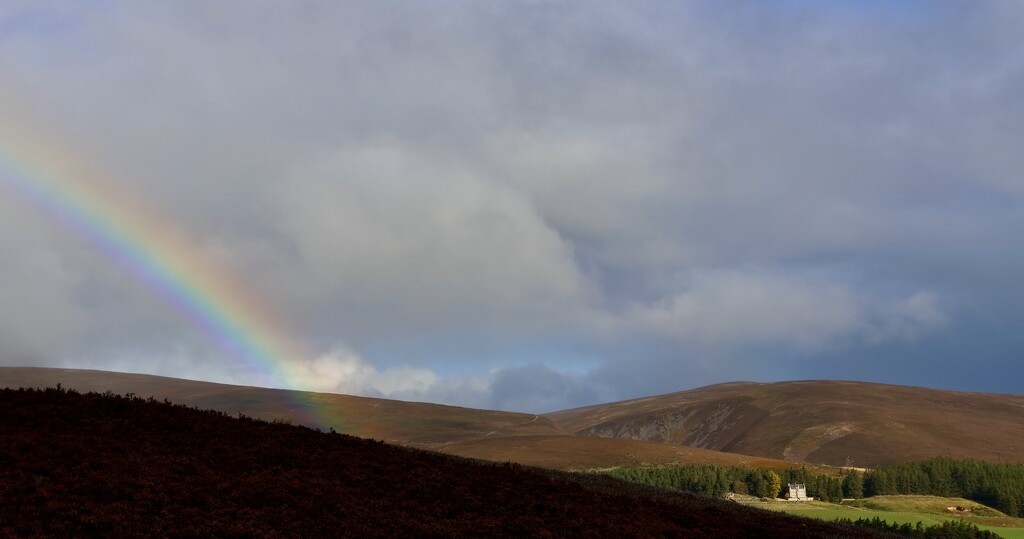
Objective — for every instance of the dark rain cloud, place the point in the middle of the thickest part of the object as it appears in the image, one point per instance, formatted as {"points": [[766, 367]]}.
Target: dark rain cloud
{"points": [[465, 196]]}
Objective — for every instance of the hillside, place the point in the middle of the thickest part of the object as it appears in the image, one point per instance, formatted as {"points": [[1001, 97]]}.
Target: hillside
{"points": [[95, 465], [411, 423], [820, 422], [485, 434], [817, 422], [587, 452]]}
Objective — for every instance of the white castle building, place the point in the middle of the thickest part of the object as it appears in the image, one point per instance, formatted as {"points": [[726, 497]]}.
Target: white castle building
{"points": [[797, 491]]}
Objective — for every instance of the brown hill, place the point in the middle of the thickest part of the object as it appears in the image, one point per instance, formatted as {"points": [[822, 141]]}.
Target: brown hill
{"points": [[74, 465], [502, 436], [588, 452], [410, 423], [821, 422]]}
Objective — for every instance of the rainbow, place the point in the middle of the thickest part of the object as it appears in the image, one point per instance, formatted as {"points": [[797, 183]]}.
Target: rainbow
{"points": [[81, 200]]}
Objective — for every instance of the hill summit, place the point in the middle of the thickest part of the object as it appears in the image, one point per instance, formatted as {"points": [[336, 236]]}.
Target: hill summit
{"points": [[819, 422]]}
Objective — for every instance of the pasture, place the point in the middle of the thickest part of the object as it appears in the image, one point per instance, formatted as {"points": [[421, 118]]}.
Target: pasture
{"points": [[929, 510]]}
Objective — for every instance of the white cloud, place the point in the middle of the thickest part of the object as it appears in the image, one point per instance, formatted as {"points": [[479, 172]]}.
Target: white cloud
{"points": [[343, 371], [529, 388]]}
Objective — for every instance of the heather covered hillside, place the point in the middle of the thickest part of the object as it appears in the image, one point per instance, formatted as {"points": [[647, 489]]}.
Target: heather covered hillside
{"points": [[419, 424], [485, 434], [819, 422], [89, 464]]}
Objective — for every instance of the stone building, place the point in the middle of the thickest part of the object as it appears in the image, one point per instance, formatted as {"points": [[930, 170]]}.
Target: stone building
{"points": [[797, 491]]}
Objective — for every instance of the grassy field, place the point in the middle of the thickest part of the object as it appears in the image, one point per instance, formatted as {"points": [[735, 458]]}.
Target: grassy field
{"points": [[929, 510]]}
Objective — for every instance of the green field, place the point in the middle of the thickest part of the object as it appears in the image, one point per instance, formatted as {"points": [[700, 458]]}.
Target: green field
{"points": [[929, 510]]}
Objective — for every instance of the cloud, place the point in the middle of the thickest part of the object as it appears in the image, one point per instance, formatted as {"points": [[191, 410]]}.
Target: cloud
{"points": [[742, 308], [342, 371], [388, 224], [464, 188], [40, 314], [529, 388], [907, 320], [538, 388]]}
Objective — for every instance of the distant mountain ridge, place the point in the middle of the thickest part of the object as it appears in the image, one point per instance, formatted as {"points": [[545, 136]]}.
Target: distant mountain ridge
{"points": [[773, 425], [485, 434], [819, 422], [410, 423]]}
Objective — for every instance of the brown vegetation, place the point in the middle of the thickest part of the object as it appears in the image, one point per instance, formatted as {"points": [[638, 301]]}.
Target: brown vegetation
{"points": [[826, 422], [485, 434], [585, 452], [94, 465], [410, 423], [814, 422]]}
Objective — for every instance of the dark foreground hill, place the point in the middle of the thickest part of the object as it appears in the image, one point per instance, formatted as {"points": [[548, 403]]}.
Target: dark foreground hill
{"points": [[819, 422], [419, 424], [93, 465], [492, 435]]}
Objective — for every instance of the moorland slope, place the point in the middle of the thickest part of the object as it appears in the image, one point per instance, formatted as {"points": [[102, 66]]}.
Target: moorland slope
{"points": [[485, 434], [410, 423], [818, 422], [91, 465]]}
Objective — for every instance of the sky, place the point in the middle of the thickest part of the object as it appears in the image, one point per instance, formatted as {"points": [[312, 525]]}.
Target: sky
{"points": [[531, 205]]}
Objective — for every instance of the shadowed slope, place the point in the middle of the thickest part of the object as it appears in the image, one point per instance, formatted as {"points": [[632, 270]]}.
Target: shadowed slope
{"points": [[502, 436], [411, 423], [75, 465], [828, 422]]}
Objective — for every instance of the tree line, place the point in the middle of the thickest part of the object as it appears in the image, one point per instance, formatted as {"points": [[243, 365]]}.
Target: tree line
{"points": [[996, 485], [1000, 486], [950, 529], [715, 481]]}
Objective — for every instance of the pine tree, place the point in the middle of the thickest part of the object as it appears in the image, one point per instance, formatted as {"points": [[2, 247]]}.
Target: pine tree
{"points": [[853, 485]]}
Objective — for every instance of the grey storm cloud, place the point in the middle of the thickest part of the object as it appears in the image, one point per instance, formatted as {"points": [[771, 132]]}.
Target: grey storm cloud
{"points": [[534, 205]]}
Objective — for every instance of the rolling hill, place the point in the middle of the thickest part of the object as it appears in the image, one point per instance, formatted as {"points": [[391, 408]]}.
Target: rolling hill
{"points": [[92, 465], [819, 422], [409, 423], [736, 424], [503, 436], [586, 452]]}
